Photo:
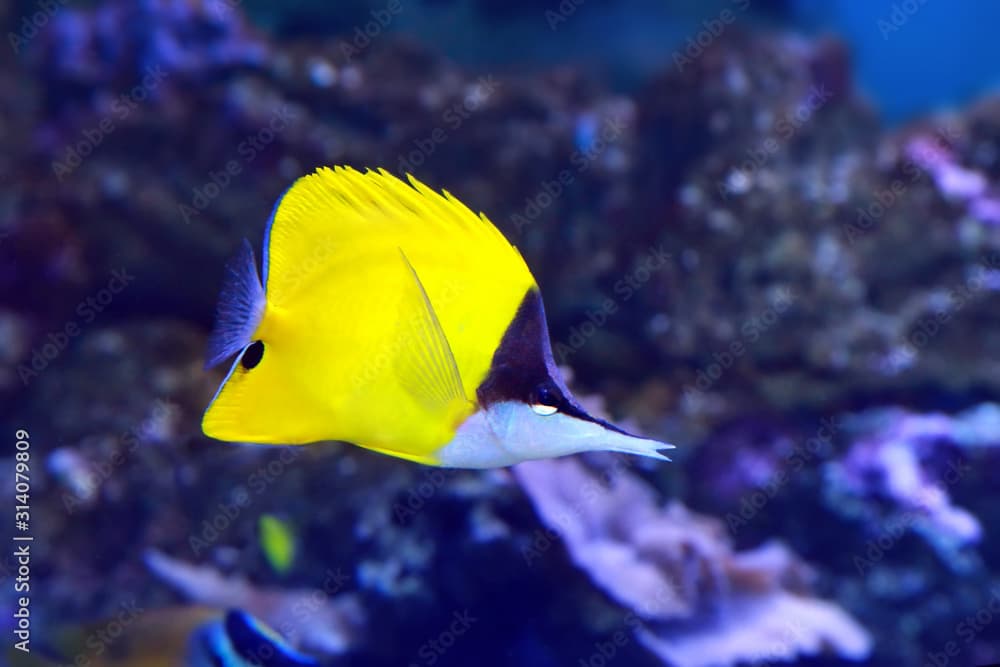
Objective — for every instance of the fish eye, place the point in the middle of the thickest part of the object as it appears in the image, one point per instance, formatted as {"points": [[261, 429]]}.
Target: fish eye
{"points": [[252, 355], [543, 401]]}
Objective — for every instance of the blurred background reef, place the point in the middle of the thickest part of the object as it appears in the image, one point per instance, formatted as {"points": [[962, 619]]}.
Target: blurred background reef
{"points": [[768, 232]]}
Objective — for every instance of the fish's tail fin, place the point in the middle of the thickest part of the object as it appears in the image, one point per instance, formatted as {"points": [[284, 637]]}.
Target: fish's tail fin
{"points": [[240, 308]]}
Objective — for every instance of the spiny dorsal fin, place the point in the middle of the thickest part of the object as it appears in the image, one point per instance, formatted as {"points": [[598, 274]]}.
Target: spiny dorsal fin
{"points": [[326, 216]]}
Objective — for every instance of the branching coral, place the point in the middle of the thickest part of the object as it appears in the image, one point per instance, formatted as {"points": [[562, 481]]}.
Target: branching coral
{"points": [[894, 474], [699, 602]]}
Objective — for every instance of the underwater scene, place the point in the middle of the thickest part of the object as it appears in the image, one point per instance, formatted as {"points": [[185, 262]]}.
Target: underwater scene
{"points": [[542, 333]]}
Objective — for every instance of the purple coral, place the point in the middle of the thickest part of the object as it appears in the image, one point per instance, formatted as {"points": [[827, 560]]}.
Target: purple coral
{"points": [[700, 603], [892, 472], [955, 181]]}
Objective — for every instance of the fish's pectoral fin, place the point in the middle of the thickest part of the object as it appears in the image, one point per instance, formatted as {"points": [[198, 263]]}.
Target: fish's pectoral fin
{"points": [[425, 365]]}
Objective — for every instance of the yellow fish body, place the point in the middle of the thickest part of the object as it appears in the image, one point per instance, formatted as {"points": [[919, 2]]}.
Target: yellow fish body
{"points": [[393, 317]]}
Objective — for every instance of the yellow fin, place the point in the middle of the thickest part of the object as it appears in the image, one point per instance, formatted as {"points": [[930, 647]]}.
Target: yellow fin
{"points": [[338, 213], [427, 367]]}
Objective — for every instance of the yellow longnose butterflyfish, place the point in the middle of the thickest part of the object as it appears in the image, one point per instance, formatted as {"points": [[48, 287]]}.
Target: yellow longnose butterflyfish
{"points": [[393, 317]]}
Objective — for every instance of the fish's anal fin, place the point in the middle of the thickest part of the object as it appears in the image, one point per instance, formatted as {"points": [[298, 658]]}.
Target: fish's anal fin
{"points": [[426, 366], [240, 308]]}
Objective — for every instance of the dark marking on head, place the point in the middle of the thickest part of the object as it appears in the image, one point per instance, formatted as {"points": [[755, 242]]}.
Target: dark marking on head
{"points": [[252, 355], [524, 369]]}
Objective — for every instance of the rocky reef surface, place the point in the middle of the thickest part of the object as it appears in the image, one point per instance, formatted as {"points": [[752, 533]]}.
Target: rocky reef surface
{"points": [[737, 257]]}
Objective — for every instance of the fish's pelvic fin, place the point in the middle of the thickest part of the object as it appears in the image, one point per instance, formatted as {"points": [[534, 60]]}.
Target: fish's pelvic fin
{"points": [[240, 308]]}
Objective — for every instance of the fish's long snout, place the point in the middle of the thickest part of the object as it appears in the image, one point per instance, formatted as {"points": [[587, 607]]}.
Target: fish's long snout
{"points": [[601, 435], [531, 435], [614, 441]]}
